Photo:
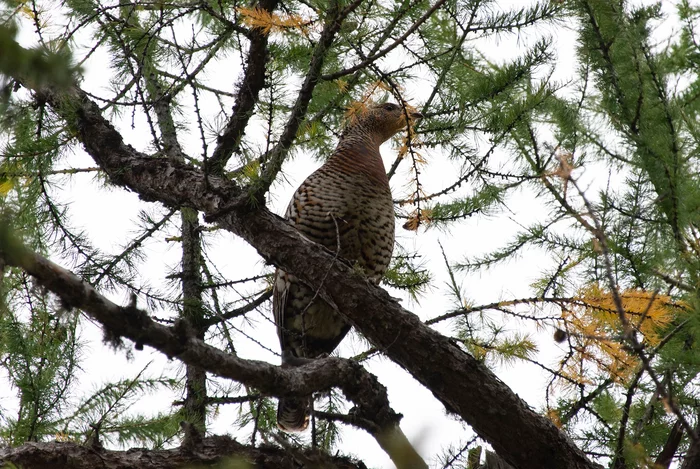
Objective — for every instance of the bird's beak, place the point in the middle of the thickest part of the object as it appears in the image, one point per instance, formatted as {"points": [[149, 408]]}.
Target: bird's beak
{"points": [[416, 115]]}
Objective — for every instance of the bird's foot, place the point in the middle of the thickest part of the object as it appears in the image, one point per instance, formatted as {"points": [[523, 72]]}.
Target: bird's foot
{"points": [[289, 359]]}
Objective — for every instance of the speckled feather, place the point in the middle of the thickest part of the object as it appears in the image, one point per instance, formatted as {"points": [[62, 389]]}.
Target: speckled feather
{"points": [[346, 206]]}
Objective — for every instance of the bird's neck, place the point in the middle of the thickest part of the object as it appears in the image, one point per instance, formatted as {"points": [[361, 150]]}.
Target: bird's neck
{"points": [[359, 154], [361, 142]]}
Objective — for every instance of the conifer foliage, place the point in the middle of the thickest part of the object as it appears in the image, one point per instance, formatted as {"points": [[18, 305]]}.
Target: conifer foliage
{"points": [[202, 109]]}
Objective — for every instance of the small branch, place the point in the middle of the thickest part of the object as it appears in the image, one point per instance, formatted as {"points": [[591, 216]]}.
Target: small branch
{"points": [[226, 400], [585, 400], [386, 50], [275, 157], [246, 97], [672, 281], [215, 285], [692, 457], [619, 456], [207, 322], [570, 301]]}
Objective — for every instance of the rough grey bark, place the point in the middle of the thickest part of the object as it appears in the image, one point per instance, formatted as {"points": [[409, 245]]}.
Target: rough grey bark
{"points": [[494, 461], [465, 386], [220, 449]]}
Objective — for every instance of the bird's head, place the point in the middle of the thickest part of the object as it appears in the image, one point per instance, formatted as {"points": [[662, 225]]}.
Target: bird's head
{"points": [[382, 120]]}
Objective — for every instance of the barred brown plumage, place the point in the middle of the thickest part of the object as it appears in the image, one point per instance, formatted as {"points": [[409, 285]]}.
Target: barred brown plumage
{"points": [[346, 206]]}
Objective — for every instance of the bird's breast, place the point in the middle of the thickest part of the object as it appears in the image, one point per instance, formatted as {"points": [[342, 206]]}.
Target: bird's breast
{"points": [[344, 205]]}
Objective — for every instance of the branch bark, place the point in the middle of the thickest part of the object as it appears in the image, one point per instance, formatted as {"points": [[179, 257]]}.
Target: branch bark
{"points": [[464, 385], [218, 449]]}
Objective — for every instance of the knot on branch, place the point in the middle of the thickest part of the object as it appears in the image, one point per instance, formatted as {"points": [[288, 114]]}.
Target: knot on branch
{"points": [[183, 331], [363, 387]]}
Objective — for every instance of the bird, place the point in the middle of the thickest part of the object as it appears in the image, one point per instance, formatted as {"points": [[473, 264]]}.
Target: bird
{"points": [[346, 206]]}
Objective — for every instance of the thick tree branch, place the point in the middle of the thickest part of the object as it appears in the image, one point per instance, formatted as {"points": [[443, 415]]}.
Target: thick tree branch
{"points": [[218, 449], [464, 385]]}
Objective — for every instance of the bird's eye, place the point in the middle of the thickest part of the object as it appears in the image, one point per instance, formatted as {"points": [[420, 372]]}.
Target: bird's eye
{"points": [[390, 106]]}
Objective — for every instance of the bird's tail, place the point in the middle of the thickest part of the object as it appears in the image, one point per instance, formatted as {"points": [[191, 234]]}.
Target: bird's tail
{"points": [[293, 413]]}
